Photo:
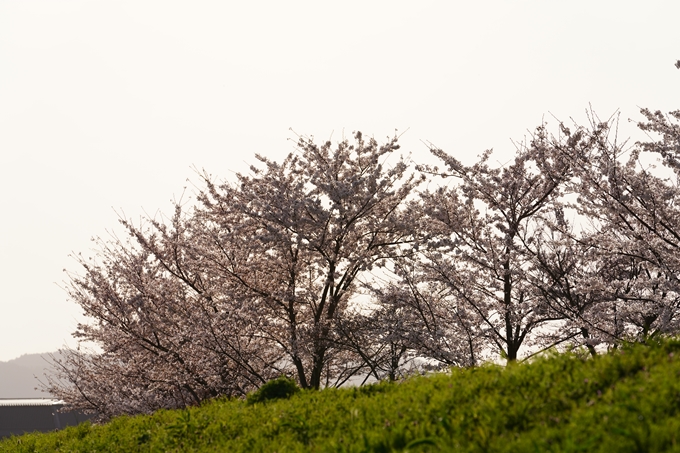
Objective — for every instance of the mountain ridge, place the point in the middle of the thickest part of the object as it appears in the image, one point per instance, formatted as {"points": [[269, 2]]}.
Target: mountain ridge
{"points": [[19, 377]]}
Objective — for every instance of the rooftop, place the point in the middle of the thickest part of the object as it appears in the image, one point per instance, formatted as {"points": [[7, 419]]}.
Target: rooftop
{"points": [[4, 402]]}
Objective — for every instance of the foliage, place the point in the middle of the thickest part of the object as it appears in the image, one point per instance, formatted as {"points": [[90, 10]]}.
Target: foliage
{"points": [[334, 265], [251, 283], [480, 241], [281, 387], [634, 230], [626, 400]]}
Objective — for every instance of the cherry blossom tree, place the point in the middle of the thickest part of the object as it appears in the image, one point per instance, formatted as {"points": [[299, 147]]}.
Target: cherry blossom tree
{"points": [[635, 229], [168, 337], [250, 283], [307, 230], [481, 243], [437, 326], [377, 336]]}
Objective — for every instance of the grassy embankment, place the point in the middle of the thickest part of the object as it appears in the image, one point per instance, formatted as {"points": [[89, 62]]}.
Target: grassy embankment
{"points": [[628, 400]]}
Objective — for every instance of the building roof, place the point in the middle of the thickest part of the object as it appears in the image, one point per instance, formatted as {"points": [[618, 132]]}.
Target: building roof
{"points": [[30, 402]]}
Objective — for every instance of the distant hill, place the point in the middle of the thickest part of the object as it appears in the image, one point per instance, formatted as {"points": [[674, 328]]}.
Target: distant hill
{"points": [[17, 376]]}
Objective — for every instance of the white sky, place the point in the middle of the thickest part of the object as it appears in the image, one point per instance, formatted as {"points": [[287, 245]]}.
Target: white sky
{"points": [[108, 104]]}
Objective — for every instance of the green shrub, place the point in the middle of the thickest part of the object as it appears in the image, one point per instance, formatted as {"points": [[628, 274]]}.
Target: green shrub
{"points": [[280, 388]]}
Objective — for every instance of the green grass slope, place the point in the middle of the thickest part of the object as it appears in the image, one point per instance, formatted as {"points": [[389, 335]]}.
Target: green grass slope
{"points": [[626, 401]]}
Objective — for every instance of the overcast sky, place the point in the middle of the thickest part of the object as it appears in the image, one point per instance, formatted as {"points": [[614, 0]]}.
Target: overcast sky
{"points": [[105, 106]]}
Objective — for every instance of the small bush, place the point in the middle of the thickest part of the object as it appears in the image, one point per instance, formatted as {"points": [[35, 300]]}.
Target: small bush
{"points": [[279, 388]]}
